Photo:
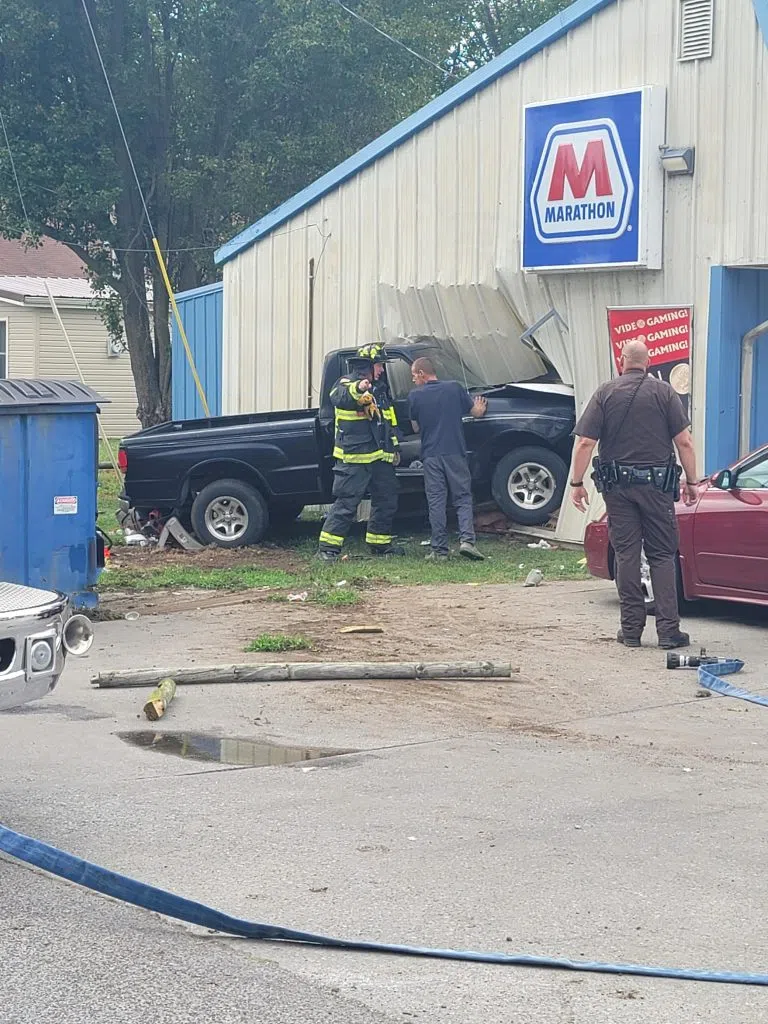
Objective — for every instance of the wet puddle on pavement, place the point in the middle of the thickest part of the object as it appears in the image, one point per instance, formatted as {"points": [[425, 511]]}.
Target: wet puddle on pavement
{"points": [[222, 750]]}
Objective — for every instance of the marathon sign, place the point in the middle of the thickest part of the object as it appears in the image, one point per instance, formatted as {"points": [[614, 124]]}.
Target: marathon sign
{"points": [[666, 331], [593, 183]]}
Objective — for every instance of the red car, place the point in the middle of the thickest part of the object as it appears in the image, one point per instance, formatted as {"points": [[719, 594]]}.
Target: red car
{"points": [[723, 538]]}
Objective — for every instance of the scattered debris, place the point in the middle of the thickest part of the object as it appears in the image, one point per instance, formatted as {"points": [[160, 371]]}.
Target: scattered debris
{"points": [[159, 699], [543, 545], [703, 693], [131, 616], [341, 583], [361, 629], [173, 528], [299, 597], [133, 539], [534, 578]]}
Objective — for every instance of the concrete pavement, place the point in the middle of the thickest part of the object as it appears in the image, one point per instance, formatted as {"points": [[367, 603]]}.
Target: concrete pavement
{"points": [[593, 809]]}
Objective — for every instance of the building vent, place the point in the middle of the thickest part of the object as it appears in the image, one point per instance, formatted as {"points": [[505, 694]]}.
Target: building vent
{"points": [[696, 29]]}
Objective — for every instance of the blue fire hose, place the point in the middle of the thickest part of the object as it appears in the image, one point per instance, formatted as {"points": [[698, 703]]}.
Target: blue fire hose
{"points": [[74, 869], [709, 678]]}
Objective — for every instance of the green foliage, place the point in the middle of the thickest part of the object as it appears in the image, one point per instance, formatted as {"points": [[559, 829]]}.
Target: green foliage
{"points": [[278, 642], [229, 107]]}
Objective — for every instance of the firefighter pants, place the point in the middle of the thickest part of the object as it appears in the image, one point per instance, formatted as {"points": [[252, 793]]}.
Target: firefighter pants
{"points": [[642, 517], [351, 481]]}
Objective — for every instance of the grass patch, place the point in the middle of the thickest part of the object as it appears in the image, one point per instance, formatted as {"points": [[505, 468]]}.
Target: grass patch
{"points": [[278, 642], [110, 486], [238, 578], [334, 596], [506, 562]]}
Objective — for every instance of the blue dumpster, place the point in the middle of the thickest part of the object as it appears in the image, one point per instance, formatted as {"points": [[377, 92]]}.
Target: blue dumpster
{"points": [[49, 462]]}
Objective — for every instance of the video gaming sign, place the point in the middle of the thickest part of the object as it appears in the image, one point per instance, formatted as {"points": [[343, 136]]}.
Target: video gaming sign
{"points": [[594, 186]]}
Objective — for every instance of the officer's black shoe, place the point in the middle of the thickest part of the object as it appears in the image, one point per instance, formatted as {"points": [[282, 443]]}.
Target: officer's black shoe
{"points": [[327, 556], [628, 641], [669, 643], [384, 550]]}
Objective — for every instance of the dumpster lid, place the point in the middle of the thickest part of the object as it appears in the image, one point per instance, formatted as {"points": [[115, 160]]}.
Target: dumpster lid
{"points": [[19, 393]]}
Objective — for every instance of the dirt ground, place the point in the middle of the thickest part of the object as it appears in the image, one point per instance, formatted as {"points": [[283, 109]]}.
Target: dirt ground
{"points": [[571, 679]]}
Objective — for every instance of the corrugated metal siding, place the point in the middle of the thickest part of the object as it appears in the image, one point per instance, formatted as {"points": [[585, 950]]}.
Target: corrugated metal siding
{"points": [[22, 339], [426, 229], [201, 314], [109, 376]]}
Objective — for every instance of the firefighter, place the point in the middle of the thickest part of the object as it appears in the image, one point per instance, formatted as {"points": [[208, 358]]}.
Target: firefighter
{"points": [[366, 452]]}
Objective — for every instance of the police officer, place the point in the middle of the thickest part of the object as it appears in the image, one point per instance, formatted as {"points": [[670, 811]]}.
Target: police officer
{"points": [[637, 418], [366, 450]]}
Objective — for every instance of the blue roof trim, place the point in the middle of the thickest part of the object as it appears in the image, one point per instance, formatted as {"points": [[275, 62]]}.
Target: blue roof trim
{"points": [[204, 289], [550, 32], [761, 12]]}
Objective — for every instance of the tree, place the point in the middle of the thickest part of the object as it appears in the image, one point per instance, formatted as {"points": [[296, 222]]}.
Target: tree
{"points": [[229, 107], [485, 28]]}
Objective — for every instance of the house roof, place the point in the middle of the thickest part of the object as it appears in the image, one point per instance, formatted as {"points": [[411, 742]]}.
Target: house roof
{"points": [[539, 39], [21, 288], [49, 259]]}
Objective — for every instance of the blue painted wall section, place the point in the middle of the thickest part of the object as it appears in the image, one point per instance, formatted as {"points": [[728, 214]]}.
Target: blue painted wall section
{"points": [[761, 11], [738, 302], [202, 313]]}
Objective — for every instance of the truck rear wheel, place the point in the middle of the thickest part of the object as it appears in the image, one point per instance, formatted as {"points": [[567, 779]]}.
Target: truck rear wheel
{"points": [[230, 514], [528, 484]]}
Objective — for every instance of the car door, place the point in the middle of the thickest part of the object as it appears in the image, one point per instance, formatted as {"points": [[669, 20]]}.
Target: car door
{"points": [[730, 531]]}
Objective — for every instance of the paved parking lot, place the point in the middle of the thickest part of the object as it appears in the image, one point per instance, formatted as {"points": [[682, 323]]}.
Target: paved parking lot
{"points": [[592, 807]]}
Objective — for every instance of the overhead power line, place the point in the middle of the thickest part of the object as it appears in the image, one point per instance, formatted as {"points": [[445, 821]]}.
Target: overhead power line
{"points": [[397, 42]]}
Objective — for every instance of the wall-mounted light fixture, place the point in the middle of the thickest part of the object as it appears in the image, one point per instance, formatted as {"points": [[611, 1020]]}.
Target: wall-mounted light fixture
{"points": [[678, 160]]}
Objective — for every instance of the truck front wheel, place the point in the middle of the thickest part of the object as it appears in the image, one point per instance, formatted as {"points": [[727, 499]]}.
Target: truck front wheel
{"points": [[230, 514], [528, 484]]}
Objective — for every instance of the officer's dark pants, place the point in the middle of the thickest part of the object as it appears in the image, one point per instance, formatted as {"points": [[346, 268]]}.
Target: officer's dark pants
{"points": [[350, 483], [446, 475], [641, 516]]}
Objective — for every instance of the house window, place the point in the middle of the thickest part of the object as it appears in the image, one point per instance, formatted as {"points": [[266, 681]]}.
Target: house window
{"points": [[696, 29], [3, 348]]}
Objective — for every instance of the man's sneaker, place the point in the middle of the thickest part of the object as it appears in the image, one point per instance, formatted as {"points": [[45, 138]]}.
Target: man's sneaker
{"points": [[436, 556], [327, 556], [470, 551], [669, 643], [628, 641], [384, 551]]}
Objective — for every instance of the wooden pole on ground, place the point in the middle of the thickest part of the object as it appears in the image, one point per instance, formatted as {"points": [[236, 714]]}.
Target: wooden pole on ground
{"points": [[159, 699], [307, 671]]}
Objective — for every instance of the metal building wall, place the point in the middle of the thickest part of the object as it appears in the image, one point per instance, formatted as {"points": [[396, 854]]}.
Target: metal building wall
{"points": [[427, 239], [201, 311]]}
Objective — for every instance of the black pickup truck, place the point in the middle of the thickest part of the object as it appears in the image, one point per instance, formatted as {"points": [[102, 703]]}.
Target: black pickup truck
{"points": [[230, 476]]}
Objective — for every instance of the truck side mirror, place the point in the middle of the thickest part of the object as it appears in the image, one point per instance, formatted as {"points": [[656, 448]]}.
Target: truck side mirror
{"points": [[724, 480]]}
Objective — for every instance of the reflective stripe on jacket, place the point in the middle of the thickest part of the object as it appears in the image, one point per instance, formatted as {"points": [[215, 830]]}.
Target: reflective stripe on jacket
{"points": [[359, 437]]}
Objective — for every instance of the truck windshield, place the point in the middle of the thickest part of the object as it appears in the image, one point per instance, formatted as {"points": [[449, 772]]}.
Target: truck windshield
{"points": [[447, 367]]}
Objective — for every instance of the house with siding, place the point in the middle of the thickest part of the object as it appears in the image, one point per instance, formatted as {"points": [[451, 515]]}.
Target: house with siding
{"points": [[32, 343]]}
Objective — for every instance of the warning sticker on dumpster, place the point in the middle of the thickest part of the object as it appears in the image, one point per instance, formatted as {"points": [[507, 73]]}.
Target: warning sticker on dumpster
{"points": [[65, 505]]}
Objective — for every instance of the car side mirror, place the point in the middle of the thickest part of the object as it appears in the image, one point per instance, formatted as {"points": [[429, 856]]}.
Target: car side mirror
{"points": [[724, 480]]}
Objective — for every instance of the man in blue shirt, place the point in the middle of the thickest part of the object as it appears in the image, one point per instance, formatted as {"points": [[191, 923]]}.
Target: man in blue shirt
{"points": [[437, 409]]}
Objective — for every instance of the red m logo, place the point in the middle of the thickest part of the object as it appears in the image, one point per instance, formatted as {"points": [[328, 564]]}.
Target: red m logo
{"points": [[594, 165]]}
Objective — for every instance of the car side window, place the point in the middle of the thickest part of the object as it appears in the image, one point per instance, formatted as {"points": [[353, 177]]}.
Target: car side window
{"points": [[399, 377], [753, 478]]}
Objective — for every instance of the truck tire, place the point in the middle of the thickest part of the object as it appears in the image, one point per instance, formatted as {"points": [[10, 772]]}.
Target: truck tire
{"points": [[230, 514], [528, 484]]}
